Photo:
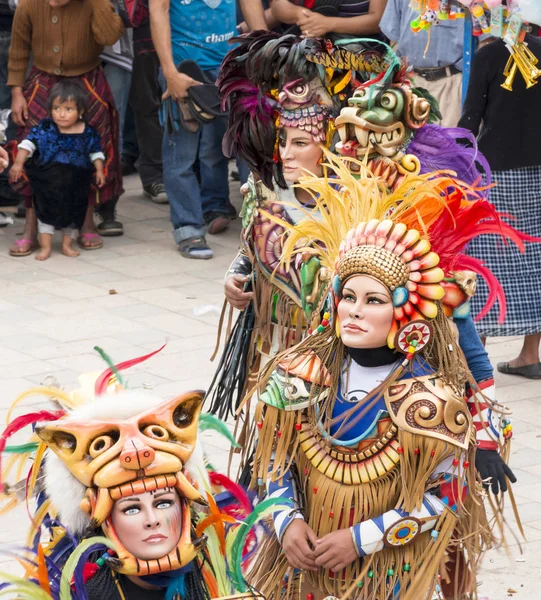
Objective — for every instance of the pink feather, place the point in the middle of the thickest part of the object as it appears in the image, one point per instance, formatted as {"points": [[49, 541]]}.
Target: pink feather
{"points": [[233, 488], [21, 422], [103, 380]]}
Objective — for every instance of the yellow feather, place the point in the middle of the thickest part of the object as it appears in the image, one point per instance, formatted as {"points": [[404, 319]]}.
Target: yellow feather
{"points": [[344, 198]]}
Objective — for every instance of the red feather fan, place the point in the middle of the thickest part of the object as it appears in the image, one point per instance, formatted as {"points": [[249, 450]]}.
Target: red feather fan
{"points": [[453, 231]]}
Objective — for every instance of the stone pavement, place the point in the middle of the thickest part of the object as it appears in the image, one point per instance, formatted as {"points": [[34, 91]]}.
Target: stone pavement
{"points": [[136, 293]]}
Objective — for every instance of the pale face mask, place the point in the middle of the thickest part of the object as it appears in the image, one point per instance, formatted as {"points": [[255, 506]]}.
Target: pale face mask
{"points": [[148, 525]]}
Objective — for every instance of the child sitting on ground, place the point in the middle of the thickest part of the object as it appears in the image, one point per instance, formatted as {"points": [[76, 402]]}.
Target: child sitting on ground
{"points": [[61, 152]]}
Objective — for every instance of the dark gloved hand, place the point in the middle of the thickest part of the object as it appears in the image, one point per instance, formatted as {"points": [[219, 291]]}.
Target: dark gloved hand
{"points": [[489, 463]]}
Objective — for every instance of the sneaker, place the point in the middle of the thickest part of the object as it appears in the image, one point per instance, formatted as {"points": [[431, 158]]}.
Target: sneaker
{"points": [[127, 165], [216, 222], [156, 192], [195, 248], [109, 226]]}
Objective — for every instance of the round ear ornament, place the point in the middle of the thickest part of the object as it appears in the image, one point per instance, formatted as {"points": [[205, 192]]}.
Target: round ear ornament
{"points": [[413, 337]]}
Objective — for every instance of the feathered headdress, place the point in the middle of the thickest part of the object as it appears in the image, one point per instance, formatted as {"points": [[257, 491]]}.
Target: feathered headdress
{"points": [[259, 68], [131, 434], [409, 239]]}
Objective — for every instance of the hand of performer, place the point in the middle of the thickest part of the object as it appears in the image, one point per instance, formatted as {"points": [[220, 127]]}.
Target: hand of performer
{"points": [[177, 86], [234, 291], [298, 543], [335, 550], [19, 107], [493, 470], [15, 172], [313, 24], [100, 178], [4, 160]]}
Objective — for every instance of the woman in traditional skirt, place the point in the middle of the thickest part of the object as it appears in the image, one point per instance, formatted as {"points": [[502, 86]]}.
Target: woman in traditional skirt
{"points": [[509, 139], [66, 38], [365, 426]]}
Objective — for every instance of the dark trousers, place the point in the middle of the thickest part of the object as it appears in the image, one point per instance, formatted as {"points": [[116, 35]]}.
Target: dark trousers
{"points": [[145, 101]]}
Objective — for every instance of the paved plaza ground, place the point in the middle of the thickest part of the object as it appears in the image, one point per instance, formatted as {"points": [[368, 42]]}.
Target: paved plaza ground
{"points": [[137, 293]]}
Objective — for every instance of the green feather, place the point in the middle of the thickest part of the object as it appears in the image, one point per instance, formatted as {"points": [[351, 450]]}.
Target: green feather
{"points": [[238, 537], [71, 564], [21, 588], [30, 447], [208, 421], [111, 364]]}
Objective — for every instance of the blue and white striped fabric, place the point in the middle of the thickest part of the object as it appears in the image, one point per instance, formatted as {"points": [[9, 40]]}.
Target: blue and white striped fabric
{"points": [[369, 536], [517, 193]]}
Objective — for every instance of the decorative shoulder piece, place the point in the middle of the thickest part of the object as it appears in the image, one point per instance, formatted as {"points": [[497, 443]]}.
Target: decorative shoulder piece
{"points": [[426, 406], [255, 194], [289, 387]]}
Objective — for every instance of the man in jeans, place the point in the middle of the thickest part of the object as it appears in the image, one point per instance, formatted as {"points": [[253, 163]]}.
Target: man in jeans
{"points": [[196, 30], [438, 67]]}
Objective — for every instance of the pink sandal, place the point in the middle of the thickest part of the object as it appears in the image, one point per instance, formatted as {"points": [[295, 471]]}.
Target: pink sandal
{"points": [[89, 238], [16, 248]]}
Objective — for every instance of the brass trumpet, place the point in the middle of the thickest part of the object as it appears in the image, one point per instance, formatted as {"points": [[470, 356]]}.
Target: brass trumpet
{"points": [[524, 60], [510, 73]]}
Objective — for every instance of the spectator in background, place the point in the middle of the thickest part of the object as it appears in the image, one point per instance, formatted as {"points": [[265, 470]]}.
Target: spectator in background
{"points": [[6, 21], [8, 197], [437, 65], [197, 31], [508, 125], [357, 18], [257, 16], [66, 38], [145, 101], [117, 66]]}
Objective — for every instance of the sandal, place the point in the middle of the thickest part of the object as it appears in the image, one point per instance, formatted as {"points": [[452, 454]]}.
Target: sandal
{"points": [[529, 371], [84, 241], [16, 248], [195, 248]]}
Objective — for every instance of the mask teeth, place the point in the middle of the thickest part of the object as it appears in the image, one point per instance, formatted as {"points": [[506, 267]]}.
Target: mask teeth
{"points": [[187, 490], [140, 486], [103, 507]]}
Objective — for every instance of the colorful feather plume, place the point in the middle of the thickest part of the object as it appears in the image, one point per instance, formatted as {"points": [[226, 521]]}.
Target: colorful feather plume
{"points": [[453, 149], [237, 539], [260, 64], [463, 222], [105, 378], [22, 422], [72, 573], [344, 198], [448, 213]]}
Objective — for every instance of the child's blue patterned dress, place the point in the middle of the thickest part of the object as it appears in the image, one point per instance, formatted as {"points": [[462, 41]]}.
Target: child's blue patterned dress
{"points": [[60, 173]]}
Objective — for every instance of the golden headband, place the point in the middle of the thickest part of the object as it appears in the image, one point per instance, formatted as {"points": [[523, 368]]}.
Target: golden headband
{"points": [[401, 260]]}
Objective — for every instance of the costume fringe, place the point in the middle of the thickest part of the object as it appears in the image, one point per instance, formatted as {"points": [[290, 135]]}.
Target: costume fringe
{"points": [[275, 309], [419, 459]]}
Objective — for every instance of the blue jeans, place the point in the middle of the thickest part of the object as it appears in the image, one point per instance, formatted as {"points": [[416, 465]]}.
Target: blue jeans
{"points": [[190, 199], [5, 92], [119, 81]]}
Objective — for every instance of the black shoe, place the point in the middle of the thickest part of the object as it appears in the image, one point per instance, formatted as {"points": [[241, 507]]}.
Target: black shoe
{"points": [[231, 211], [127, 165], [109, 226], [156, 192], [216, 222]]}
